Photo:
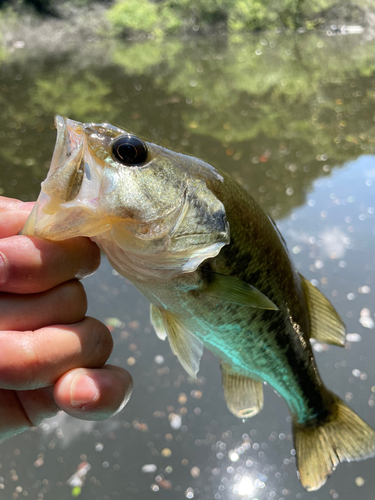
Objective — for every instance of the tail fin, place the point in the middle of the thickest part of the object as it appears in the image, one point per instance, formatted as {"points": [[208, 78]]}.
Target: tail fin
{"points": [[343, 436]]}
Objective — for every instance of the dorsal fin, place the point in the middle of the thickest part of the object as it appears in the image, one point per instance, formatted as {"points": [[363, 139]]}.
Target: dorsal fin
{"points": [[243, 395], [325, 324], [184, 344]]}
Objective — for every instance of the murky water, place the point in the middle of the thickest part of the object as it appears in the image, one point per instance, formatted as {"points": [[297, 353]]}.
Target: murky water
{"points": [[292, 118]]}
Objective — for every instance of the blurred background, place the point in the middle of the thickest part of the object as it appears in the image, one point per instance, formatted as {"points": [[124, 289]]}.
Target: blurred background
{"points": [[283, 98]]}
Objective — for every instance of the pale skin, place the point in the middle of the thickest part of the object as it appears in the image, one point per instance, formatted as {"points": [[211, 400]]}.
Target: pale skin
{"points": [[52, 356]]}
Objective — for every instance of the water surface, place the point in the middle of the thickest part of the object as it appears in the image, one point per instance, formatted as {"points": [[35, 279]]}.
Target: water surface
{"points": [[291, 117]]}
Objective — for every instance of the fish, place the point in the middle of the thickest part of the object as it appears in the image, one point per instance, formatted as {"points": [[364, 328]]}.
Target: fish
{"points": [[217, 273]]}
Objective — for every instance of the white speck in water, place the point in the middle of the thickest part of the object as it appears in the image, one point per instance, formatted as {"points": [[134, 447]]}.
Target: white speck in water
{"points": [[364, 289], [359, 481], [319, 264], [296, 249], [175, 421], [189, 493], [105, 465], [342, 263], [365, 318], [356, 372], [233, 456], [353, 337], [195, 471], [149, 468], [350, 296], [318, 347], [99, 447], [159, 359]]}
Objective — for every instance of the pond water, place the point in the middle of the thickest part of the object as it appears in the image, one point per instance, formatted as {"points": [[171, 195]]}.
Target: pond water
{"points": [[292, 118]]}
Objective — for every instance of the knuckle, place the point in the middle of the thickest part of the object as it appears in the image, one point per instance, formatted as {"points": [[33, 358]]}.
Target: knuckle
{"points": [[75, 295], [88, 257], [101, 342], [23, 371]]}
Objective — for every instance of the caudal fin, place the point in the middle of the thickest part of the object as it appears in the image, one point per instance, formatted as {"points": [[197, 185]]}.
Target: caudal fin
{"points": [[343, 436]]}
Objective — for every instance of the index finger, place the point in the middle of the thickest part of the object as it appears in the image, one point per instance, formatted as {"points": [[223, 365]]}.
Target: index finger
{"points": [[13, 215], [29, 264]]}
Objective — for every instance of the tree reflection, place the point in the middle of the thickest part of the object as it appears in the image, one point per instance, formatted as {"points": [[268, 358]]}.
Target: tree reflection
{"points": [[277, 111]]}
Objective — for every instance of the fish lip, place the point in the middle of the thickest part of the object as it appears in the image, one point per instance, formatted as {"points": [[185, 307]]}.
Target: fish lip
{"points": [[69, 135]]}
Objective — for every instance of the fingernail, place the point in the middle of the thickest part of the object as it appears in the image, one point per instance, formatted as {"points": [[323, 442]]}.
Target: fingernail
{"points": [[3, 269], [83, 391]]}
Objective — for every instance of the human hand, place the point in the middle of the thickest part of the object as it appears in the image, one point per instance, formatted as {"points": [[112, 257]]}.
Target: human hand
{"points": [[52, 357]]}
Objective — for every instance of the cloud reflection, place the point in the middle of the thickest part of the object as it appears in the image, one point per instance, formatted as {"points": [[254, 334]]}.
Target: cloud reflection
{"points": [[68, 429]]}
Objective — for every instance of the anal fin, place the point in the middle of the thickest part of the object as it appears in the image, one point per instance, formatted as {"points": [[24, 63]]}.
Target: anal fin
{"points": [[243, 395], [325, 324]]}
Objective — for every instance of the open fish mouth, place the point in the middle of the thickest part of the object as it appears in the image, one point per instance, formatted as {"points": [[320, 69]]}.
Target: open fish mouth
{"points": [[69, 194], [66, 172]]}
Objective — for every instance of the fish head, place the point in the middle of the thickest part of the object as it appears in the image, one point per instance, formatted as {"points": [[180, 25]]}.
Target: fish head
{"points": [[133, 197]]}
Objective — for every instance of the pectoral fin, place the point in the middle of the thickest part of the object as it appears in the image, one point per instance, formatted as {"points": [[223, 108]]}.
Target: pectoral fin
{"points": [[234, 290], [185, 345], [243, 395], [325, 324]]}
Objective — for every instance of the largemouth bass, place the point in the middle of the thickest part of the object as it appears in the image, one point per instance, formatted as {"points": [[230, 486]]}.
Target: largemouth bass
{"points": [[216, 271]]}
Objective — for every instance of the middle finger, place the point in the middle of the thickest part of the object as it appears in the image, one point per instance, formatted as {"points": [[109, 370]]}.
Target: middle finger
{"points": [[64, 304]]}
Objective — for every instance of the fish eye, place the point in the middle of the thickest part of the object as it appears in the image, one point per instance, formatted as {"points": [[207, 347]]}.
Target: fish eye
{"points": [[129, 150]]}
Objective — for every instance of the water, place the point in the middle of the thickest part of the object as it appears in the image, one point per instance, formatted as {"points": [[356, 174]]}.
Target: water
{"points": [[292, 118]]}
